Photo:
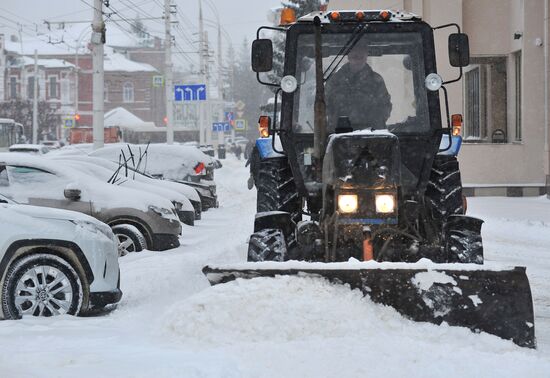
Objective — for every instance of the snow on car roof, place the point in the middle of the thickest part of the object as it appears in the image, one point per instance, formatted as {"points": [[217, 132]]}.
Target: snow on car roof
{"points": [[35, 147], [170, 161], [188, 191], [101, 193], [105, 174]]}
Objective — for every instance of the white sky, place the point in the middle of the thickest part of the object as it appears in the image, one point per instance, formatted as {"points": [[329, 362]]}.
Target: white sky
{"points": [[240, 18]]}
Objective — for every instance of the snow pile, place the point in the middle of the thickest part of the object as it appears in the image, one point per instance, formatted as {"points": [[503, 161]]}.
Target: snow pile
{"points": [[327, 329], [121, 116], [280, 309]]}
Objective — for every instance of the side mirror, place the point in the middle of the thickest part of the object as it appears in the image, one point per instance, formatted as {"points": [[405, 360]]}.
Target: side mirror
{"points": [[459, 50], [262, 55], [72, 194]]}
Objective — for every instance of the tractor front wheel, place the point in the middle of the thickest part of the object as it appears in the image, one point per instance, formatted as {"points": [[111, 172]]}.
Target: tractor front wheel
{"points": [[267, 245]]}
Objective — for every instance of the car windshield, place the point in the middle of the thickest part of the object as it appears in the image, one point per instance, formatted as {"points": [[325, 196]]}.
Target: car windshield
{"points": [[378, 84]]}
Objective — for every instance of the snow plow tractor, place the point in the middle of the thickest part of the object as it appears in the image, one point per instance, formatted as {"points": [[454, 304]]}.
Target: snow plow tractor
{"points": [[359, 181]]}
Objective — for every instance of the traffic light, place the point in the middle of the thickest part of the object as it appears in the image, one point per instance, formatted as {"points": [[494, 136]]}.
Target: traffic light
{"points": [[76, 119], [165, 119]]}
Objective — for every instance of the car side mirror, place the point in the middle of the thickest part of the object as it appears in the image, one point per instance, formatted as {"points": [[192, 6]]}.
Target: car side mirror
{"points": [[262, 55], [72, 194], [459, 50]]}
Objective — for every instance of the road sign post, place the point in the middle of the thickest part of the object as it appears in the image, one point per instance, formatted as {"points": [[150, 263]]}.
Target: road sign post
{"points": [[221, 127], [194, 92], [68, 123], [240, 124]]}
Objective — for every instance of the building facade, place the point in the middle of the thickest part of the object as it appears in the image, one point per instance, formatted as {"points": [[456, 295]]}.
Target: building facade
{"points": [[65, 82]]}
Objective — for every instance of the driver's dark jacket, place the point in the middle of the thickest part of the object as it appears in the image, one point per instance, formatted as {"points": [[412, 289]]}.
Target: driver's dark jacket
{"points": [[361, 96]]}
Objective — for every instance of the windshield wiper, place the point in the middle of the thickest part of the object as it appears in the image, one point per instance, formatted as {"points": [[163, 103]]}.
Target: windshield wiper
{"points": [[350, 44]]}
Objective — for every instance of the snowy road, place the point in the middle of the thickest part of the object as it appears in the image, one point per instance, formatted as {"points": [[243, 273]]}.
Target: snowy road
{"points": [[172, 324]]}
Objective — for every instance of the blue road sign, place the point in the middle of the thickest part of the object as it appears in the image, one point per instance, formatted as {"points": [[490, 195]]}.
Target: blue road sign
{"points": [[229, 116], [221, 126], [68, 123], [196, 92]]}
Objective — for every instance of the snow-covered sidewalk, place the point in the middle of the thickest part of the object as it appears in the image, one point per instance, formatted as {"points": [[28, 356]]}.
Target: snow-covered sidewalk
{"points": [[172, 324]]}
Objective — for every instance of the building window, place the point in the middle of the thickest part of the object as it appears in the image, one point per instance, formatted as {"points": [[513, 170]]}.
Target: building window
{"points": [[472, 127], [128, 92], [517, 66], [53, 87], [485, 100], [13, 87], [30, 87], [65, 91], [106, 91]]}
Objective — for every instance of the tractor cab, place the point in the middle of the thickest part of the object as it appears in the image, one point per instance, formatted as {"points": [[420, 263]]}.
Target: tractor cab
{"points": [[376, 67]]}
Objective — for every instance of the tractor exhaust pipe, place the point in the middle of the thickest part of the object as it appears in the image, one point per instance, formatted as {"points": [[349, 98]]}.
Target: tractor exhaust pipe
{"points": [[320, 107]]}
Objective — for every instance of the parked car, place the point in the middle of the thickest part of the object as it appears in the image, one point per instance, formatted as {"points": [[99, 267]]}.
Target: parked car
{"points": [[55, 262], [184, 208], [128, 172], [140, 220], [170, 162], [35, 149], [184, 164], [52, 144]]}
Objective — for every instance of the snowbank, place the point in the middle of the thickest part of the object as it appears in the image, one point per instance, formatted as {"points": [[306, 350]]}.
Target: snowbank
{"points": [[300, 321]]}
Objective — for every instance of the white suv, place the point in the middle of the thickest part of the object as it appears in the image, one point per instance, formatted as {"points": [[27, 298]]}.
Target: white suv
{"points": [[55, 262]]}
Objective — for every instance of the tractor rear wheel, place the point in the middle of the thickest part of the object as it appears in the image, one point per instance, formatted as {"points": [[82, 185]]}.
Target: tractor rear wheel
{"points": [[267, 245], [276, 188], [444, 191]]}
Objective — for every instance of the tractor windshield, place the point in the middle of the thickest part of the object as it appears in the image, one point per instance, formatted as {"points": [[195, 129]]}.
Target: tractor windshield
{"points": [[378, 84]]}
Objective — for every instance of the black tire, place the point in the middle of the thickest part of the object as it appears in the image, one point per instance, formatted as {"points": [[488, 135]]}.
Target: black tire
{"points": [[64, 297], [444, 191], [267, 245], [465, 246], [130, 239], [276, 188]]}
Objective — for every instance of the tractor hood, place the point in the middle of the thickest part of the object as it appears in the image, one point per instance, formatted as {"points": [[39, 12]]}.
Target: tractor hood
{"points": [[366, 159]]}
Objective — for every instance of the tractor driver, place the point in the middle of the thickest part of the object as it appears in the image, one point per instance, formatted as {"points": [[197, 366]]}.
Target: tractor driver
{"points": [[357, 92]]}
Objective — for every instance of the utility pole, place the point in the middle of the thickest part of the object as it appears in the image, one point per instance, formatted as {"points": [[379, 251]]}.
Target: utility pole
{"points": [[76, 81], [221, 109], [202, 136], [35, 100], [168, 75], [232, 63], [208, 101], [98, 39]]}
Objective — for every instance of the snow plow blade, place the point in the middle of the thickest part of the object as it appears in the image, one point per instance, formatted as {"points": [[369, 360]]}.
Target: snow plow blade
{"points": [[496, 301]]}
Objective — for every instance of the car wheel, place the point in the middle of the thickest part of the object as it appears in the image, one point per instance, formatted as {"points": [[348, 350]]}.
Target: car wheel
{"points": [[41, 285], [130, 239]]}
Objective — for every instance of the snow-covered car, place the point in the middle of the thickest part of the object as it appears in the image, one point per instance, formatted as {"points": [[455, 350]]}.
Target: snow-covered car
{"points": [[177, 163], [127, 172], [207, 192], [170, 162], [35, 149], [184, 208], [55, 262], [51, 144], [140, 220]]}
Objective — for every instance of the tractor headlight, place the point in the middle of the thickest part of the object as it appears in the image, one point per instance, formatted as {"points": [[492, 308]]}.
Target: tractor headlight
{"points": [[385, 203], [347, 203]]}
